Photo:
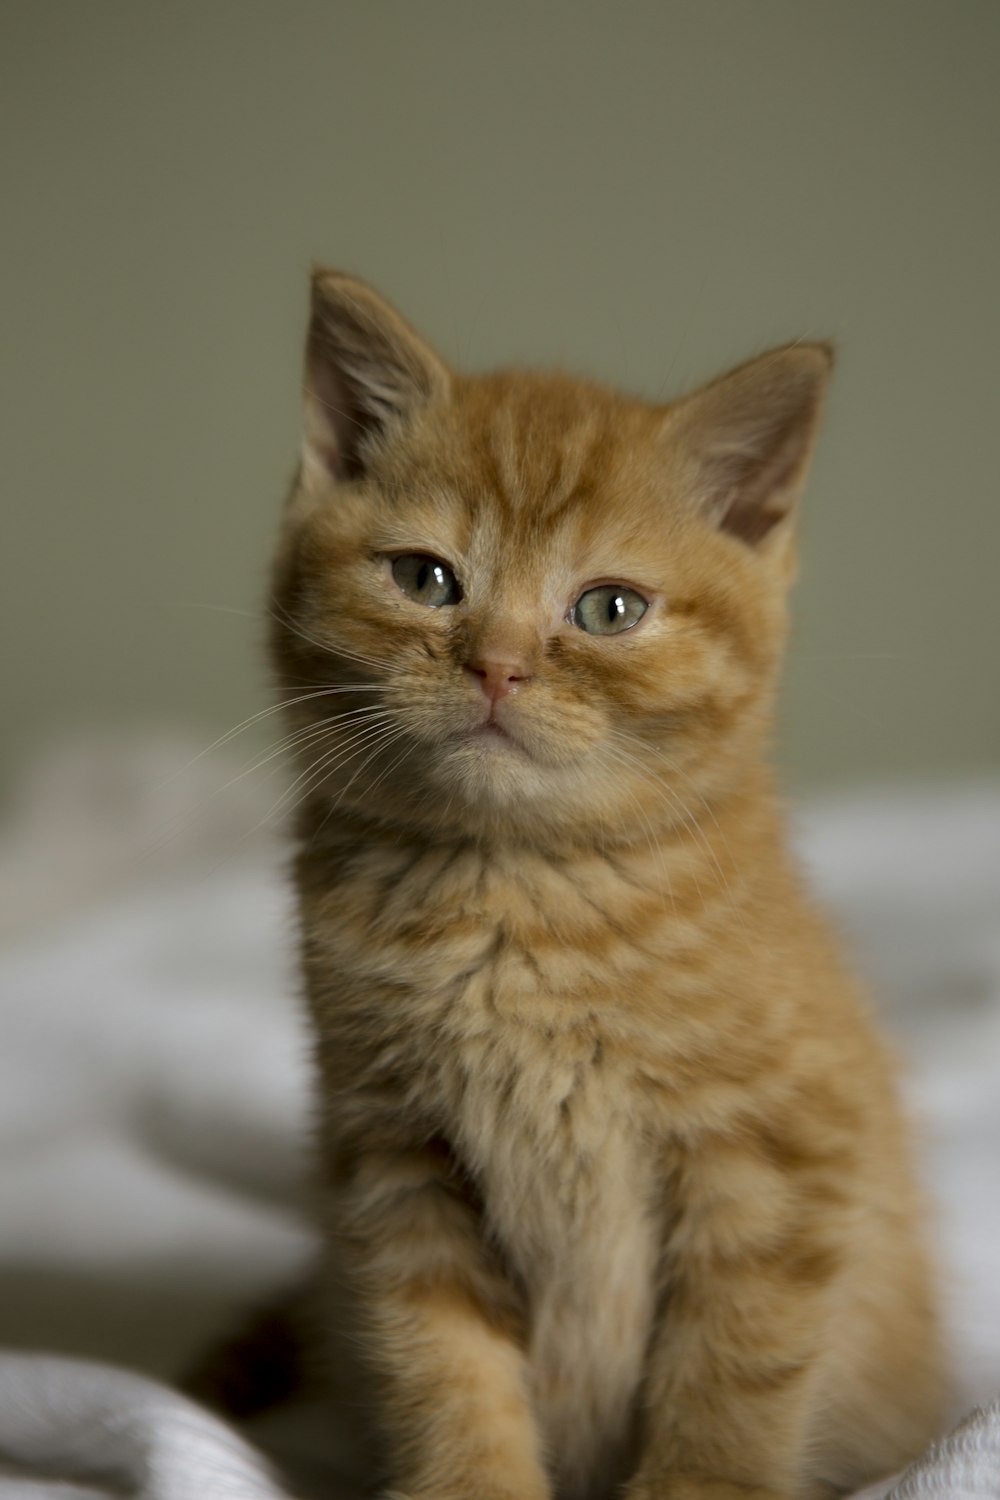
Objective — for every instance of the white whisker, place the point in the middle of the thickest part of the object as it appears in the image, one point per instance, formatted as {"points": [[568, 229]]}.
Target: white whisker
{"points": [[264, 713], [283, 618], [313, 775]]}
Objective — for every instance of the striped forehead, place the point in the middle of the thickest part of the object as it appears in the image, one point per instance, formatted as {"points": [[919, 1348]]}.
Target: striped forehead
{"points": [[522, 476], [534, 467], [529, 496]]}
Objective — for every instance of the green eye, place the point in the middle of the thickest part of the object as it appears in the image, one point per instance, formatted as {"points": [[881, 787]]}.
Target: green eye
{"points": [[608, 610], [426, 580]]}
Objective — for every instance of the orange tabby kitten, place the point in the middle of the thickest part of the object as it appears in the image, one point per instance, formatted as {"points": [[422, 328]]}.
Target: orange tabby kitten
{"points": [[612, 1162]]}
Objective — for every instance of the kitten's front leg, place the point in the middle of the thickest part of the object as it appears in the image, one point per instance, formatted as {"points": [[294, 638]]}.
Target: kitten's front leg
{"points": [[731, 1378], [440, 1329]]}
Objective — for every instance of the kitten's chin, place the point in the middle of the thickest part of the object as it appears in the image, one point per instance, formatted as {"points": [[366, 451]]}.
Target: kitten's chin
{"points": [[491, 764]]}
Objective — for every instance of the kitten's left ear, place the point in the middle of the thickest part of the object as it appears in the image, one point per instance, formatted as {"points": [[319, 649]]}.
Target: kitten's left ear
{"points": [[746, 439], [366, 371]]}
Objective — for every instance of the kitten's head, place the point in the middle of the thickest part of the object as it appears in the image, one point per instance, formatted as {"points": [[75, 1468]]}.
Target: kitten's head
{"points": [[524, 606]]}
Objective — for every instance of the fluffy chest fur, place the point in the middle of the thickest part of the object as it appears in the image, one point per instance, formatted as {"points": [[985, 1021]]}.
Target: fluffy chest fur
{"points": [[531, 1077], [519, 1007], [579, 1226]]}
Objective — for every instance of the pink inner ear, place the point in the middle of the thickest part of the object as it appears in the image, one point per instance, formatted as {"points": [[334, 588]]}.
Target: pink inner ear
{"points": [[365, 368], [750, 436], [335, 424], [758, 501]]}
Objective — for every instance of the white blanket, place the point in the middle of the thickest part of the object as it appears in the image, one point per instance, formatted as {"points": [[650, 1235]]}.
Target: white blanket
{"points": [[107, 1432], [153, 1092]]}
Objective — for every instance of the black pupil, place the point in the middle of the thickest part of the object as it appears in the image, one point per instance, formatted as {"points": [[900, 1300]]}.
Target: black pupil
{"points": [[428, 574], [616, 607]]}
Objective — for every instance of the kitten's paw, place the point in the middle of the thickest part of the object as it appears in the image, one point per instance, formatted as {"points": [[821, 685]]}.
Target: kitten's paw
{"points": [[474, 1492], [689, 1487], [449, 1494]]}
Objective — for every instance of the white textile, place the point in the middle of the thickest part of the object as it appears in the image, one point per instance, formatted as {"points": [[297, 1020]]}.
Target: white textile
{"points": [[153, 1088]]}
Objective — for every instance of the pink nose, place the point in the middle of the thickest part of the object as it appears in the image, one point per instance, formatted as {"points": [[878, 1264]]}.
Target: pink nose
{"points": [[497, 678]]}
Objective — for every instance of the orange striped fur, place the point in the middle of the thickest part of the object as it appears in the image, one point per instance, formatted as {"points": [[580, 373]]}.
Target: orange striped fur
{"points": [[611, 1159]]}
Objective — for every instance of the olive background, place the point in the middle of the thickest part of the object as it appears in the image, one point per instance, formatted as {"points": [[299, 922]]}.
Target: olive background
{"points": [[642, 192]]}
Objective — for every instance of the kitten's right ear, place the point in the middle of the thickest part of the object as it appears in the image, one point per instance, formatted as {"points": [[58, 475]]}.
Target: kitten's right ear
{"points": [[366, 370]]}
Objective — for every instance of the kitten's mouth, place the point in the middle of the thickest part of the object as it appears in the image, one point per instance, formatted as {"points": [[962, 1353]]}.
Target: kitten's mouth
{"points": [[491, 732]]}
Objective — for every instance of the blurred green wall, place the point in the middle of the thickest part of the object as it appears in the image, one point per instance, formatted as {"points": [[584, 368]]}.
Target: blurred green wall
{"points": [[643, 191]]}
